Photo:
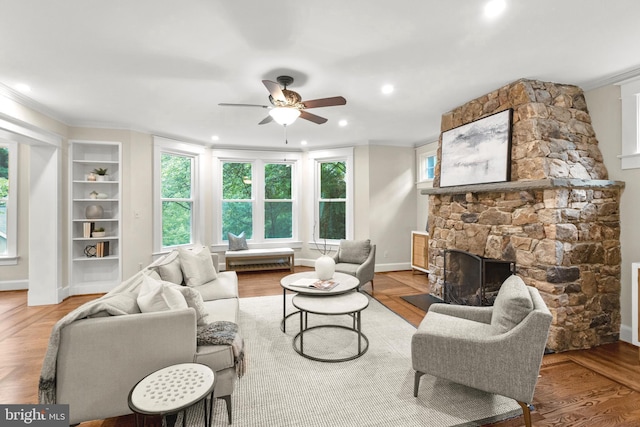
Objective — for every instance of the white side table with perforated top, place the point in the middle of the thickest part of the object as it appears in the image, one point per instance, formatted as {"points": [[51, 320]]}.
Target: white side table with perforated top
{"points": [[172, 390]]}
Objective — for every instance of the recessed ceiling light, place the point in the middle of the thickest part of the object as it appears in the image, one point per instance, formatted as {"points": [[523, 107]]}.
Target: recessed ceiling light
{"points": [[387, 89], [215, 138], [494, 8], [343, 123], [22, 87], [303, 142]]}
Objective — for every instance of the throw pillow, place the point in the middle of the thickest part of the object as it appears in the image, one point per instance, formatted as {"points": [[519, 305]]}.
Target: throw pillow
{"points": [[169, 269], [194, 300], [512, 304], [197, 266], [154, 296], [354, 251], [237, 243]]}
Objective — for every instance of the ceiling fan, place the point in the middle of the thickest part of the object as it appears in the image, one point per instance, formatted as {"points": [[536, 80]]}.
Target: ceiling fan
{"points": [[287, 105]]}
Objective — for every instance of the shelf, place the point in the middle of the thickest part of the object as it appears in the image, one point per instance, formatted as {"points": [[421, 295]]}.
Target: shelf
{"points": [[82, 181], [93, 274], [91, 259], [96, 162], [98, 239]]}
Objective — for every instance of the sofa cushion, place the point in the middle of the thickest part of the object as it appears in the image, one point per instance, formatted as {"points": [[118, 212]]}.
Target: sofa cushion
{"points": [[512, 304], [223, 309], [197, 266], [354, 251], [237, 243], [169, 269], [194, 300], [155, 296], [224, 286]]}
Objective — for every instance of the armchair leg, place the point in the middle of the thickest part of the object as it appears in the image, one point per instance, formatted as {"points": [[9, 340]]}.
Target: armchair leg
{"points": [[526, 412], [227, 401], [416, 383]]}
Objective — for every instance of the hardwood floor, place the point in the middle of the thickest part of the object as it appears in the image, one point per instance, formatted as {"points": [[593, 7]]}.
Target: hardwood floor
{"points": [[596, 387]]}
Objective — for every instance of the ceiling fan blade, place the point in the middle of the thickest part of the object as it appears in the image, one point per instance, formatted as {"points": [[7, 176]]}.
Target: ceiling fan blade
{"points": [[275, 90], [266, 120], [223, 104], [312, 117], [324, 102]]}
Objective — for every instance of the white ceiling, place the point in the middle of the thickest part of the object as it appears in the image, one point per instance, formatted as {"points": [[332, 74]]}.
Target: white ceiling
{"points": [[162, 66]]}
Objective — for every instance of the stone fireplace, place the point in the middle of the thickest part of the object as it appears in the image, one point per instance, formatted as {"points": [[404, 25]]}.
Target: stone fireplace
{"points": [[557, 219]]}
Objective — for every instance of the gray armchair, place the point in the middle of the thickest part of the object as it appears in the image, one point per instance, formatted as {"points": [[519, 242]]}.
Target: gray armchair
{"points": [[496, 349], [357, 258]]}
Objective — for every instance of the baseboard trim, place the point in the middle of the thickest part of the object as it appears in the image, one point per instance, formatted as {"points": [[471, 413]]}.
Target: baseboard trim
{"points": [[626, 334], [14, 285]]}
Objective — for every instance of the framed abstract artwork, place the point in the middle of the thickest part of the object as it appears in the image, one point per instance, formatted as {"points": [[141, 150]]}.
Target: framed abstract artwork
{"points": [[478, 152]]}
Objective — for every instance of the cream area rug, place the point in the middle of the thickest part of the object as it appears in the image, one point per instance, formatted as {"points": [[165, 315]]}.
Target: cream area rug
{"points": [[282, 388]]}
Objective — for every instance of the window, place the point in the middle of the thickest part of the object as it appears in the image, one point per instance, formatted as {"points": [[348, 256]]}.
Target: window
{"points": [[177, 208], [333, 200], [176, 173], [258, 195], [237, 199], [278, 201], [426, 162], [630, 95], [8, 202]]}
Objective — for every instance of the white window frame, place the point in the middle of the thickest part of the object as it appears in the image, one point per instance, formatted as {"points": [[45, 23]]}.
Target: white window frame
{"points": [[11, 257], [258, 160], [422, 154], [196, 152], [315, 159], [630, 102]]}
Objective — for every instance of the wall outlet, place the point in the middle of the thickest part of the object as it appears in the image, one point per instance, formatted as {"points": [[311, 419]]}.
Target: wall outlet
{"points": [[385, 254]]}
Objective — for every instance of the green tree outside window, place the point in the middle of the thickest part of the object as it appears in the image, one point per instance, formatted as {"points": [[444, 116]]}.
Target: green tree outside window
{"points": [[333, 200], [177, 199], [4, 195], [278, 205], [237, 204]]}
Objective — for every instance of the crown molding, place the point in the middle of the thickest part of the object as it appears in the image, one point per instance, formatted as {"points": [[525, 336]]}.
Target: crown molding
{"points": [[611, 79]]}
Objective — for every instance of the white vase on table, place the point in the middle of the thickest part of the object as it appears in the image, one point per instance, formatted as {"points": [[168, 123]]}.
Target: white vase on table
{"points": [[325, 267]]}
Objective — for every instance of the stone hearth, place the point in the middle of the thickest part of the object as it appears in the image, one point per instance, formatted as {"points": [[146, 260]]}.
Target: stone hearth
{"points": [[558, 219]]}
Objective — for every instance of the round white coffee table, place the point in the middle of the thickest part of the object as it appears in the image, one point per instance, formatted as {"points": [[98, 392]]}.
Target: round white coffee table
{"points": [[172, 390], [347, 303], [346, 283]]}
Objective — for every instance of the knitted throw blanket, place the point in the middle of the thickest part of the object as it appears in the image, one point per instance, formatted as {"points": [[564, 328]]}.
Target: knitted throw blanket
{"points": [[225, 333]]}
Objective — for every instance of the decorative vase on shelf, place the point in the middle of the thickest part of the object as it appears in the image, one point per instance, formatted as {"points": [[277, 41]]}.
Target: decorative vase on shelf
{"points": [[325, 267], [94, 212]]}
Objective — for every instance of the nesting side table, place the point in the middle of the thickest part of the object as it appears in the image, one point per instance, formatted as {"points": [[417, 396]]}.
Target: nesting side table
{"points": [[172, 390], [350, 303]]}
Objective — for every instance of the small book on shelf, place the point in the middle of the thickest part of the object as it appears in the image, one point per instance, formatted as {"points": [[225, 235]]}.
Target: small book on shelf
{"points": [[87, 229], [102, 249]]}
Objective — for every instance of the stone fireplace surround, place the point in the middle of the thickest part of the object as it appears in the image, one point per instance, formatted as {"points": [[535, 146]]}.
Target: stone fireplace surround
{"points": [[558, 218]]}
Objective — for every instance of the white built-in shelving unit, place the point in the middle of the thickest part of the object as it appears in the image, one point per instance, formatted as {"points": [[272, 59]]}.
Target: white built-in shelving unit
{"points": [[92, 274]]}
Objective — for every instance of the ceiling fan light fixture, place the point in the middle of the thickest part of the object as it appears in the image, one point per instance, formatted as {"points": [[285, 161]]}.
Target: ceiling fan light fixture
{"points": [[284, 115]]}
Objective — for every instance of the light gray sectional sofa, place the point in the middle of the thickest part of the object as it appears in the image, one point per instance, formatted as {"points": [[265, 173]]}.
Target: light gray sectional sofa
{"points": [[99, 351]]}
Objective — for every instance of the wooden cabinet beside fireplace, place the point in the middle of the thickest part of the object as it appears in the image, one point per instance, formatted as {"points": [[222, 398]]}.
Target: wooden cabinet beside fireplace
{"points": [[420, 251]]}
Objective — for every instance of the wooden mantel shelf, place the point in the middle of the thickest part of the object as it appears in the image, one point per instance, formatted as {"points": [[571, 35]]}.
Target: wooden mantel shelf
{"points": [[542, 184]]}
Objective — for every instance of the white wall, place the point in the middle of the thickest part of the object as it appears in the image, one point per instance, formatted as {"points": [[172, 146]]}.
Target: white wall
{"points": [[605, 110], [392, 205]]}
